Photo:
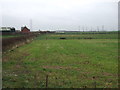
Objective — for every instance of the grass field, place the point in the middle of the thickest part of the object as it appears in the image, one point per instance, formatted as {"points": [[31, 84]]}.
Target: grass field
{"points": [[83, 35], [70, 63]]}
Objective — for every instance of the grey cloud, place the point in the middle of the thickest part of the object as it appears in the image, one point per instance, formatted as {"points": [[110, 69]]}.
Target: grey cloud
{"points": [[48, 15]]}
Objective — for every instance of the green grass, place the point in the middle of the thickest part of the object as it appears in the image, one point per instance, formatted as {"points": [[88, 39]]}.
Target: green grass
{"points": [[68, 64], [80, 36], [89, 32]]}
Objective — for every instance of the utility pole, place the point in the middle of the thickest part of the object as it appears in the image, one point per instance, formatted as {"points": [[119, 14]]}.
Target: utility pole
{"points": [[91, 29], [103, 28], [83, 28], [31, 24], [79, 28], [119, 16], [86, 28], [98, 28]]}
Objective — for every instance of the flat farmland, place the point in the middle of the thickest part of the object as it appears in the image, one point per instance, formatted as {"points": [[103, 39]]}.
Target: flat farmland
{"points": [[69, 63]]}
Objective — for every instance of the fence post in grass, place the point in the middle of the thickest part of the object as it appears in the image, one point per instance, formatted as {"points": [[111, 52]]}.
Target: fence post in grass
{"points": [[46, 81], [94, 82]]}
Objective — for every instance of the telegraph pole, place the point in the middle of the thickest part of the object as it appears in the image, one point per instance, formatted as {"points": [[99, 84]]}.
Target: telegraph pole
{"points": [[119, 16], [103, 28], [98, 28], [86, 28], [83, 28], [79, 28], [31, 24], [91, 29]]}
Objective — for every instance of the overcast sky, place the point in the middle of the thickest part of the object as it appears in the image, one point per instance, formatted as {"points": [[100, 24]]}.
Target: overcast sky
{"points": [[60, 14]]}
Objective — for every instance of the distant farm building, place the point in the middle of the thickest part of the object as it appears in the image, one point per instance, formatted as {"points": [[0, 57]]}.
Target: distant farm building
{"points": [[7, 29], [25, 29], [60, 31]]}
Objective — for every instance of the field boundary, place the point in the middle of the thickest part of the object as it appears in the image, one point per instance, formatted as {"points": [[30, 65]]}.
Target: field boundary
{"points": [[15, 42]]}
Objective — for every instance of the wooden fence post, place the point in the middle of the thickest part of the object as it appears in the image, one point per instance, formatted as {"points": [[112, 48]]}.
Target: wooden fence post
{"points": [[95, 84], [94, 78], [46, 81]]}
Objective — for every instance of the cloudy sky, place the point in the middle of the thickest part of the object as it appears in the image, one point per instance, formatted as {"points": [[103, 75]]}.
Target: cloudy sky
{"points": [[60, 14]]}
